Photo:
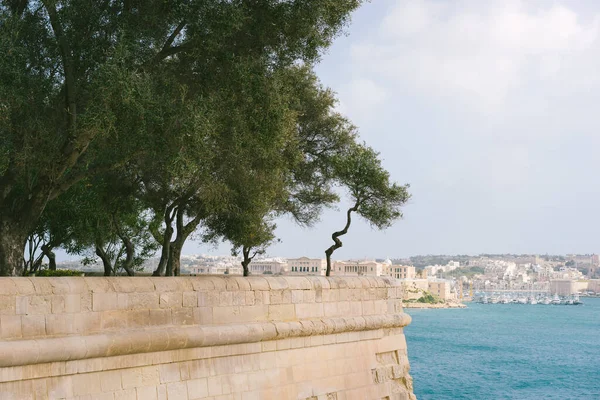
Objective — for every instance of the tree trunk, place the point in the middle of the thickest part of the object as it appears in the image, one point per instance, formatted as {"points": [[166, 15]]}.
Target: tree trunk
{"points": [[247, 260], [51, 257], [129, 254], [174, 263], [12, 245], [335, 237], [108, 269], [166, 244], [183, 232]]}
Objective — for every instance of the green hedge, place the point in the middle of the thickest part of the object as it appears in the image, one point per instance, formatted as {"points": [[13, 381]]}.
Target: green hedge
{"points": [[59, 272]]}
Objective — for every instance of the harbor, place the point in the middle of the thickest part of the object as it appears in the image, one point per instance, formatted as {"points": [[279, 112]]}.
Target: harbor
{"points": [[531, 299]]}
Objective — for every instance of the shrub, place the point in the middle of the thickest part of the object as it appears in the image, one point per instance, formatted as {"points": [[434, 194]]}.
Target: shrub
{"points": [[59, 272], [429, 299]]}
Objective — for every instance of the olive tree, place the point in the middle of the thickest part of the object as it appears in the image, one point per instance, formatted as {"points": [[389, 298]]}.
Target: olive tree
{"points": [[373, 196], [74, 78]]}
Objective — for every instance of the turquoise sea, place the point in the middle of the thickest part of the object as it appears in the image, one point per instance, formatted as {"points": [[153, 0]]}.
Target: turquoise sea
{"points": [[506, 351]]}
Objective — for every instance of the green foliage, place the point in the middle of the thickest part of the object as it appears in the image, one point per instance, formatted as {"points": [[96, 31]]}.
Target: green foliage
{"points": [[58, 272], [465, 271], [145, 84], [375, 198], [429, 298]]}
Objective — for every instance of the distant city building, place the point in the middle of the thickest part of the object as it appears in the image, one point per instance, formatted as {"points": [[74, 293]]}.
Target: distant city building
{"points": [[441, 288], [358, 268], [268, 266], [212, 265], [413, 289], [403, 272], [306, 266], [594, 286], [563, 287], [595, 260]]}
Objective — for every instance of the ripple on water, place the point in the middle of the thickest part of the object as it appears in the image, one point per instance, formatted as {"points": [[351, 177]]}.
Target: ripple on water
{"points": [[517, 352]]}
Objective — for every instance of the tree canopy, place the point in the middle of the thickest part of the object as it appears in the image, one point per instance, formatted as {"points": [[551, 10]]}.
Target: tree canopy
{"points": [[128, 125]]}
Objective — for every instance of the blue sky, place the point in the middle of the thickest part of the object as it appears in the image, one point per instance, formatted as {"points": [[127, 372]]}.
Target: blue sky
{"points": [[489, 109]]}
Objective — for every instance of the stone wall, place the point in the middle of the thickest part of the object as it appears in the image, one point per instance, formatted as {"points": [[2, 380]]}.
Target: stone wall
{"points": [[205, 337]]}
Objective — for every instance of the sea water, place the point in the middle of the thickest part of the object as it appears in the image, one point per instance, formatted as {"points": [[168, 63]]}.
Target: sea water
{"points": [[506, 351]]}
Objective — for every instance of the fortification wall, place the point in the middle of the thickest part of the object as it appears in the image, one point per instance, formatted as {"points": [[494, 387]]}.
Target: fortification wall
{"points": [[203, 338]]}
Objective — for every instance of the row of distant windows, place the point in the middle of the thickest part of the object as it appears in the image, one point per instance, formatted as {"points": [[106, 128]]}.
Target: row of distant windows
{"points": [[304, 269]]}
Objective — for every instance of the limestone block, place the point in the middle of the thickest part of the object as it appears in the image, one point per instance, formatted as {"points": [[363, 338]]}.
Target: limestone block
{"points": [[243, 283], [314, 310], [355, 308], [33, 325], [86, 384], [23, 286], [203, 315], [172, 284], [171, 300], [126, 394], [20, 390], [8, 287], [208, 299], [98, 284], [227, 315], [183, 316], [214, 386], [42, 285], [60, 285], [146, 393], [276, 296], [143, 301], [331, 309], [103, 301], [40, 305], [226, 299], [10, 326], [131, 378], [199, 368], [169, 373], [112, 320], [277, 283], [110, 381], [218, 282], [258, 283], [250, 298], [58, 304], [60, 387], [102, 396], [239, 298], [190, 299], [197, 388], [331, 295], [202, 284], [39, 388], [22, 305], [282, 312], [137, 318], [231, 285], [87, 322], [162, 392], [72, 303]]}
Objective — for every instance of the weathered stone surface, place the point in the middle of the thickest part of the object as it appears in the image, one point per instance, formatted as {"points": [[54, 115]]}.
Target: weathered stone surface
{"points": [[203, 338]]}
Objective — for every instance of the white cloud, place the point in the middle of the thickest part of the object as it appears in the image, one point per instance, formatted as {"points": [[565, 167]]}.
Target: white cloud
{"points": [[482, 52]]}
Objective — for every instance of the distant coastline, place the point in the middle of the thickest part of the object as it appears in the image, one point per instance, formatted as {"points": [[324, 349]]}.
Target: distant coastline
{"points": [[436, 306]]}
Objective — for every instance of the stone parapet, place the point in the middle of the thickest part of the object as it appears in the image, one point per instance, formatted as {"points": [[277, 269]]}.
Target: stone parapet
{"points": [[55, 332]]}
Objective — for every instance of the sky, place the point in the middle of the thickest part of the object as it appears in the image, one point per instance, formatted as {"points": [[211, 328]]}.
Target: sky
{"points": [[488, 109]]}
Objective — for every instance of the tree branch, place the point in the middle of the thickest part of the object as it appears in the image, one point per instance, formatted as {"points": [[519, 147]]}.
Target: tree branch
{"points": [[167, 49]]}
